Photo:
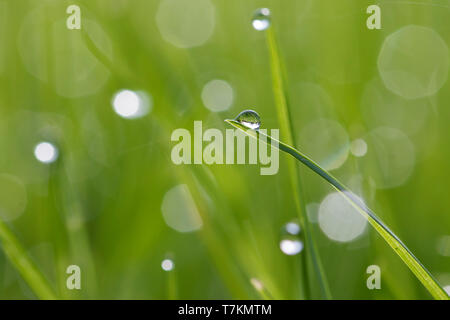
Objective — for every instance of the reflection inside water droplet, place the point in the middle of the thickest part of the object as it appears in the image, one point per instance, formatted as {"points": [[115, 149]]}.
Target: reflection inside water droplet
{"points": [[249, 119], [261, 19]]}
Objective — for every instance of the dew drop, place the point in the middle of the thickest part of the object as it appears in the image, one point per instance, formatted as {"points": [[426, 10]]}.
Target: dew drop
{"points": [[249, 119], [261, 19], [167, 265], [292, 228], [45, 152], [291, 245]]}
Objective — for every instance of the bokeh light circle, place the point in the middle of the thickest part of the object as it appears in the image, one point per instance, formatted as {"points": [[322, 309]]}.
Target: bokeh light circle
{"points": [[217, 95], [167, 265], [45, 152], [186, 24], [413, 62], [390, 157], [327, 142], [13, 197], [291, 246], [132, 104], [179, 210], [339, 220]]}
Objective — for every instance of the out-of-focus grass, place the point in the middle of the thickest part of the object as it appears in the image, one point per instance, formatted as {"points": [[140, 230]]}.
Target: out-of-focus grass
{"points": [[99, 205]]}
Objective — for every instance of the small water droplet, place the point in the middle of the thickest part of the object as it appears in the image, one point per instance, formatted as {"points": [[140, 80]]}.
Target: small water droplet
{"points": [[261, 19], [291, 245], [46, 152], [249, 119], [167, 265], [292, 228]]}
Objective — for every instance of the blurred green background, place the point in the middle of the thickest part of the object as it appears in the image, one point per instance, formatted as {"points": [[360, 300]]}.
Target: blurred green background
{"points": [[370, 105]]}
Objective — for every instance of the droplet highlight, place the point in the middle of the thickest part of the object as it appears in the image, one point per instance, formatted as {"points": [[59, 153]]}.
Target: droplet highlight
{"points": [[46, 152], [167, 265], [291, 246], [249, 119], [132, 104], [261, 19]]}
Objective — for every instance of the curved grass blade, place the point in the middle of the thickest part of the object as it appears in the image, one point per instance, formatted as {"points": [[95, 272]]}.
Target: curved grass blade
{"points": [[27, 269], [424, 276]]}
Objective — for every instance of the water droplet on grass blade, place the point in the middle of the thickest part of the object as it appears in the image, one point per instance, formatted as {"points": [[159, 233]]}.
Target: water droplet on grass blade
{"points": [[291, 245], [249, 119], [292, 228], [261, 19]]}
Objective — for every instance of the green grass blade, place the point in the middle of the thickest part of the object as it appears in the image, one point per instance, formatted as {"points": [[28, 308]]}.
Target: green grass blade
{"points": [[424, 276], [281, 103], [27, 269]]}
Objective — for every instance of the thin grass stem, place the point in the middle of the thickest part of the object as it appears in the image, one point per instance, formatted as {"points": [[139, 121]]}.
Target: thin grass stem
{"points": [[26, 267]]}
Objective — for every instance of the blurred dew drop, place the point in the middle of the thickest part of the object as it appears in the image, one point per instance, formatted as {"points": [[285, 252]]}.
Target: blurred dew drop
{"points": [[249, 119], [62, 57], [413, 62], [312, 210], [261, 19], [390, 158], [179, 210], [46, 152], [13, 197], [217, 95], [167, 265], [381, 107], [362, 186], [314, 103], [292, 228], [326, 142], [186, 24], [339, 220], [131, 104], [444, 279], [257, 284], [290, 245], [358, 147], [443, 246]]}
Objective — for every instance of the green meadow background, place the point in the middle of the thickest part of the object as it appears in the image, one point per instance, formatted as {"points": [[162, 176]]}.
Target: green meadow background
{"points": [[101, 204]]}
